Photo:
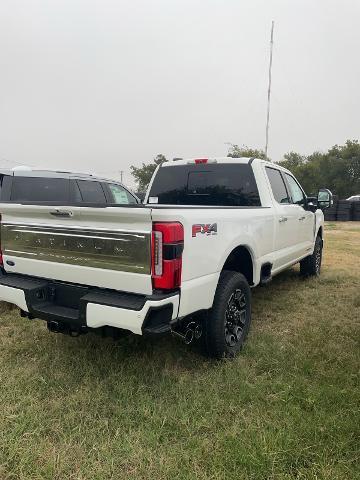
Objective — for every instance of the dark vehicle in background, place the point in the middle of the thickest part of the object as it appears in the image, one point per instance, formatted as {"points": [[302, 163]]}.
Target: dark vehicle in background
{"points": [[344, 210], [62, 188]]}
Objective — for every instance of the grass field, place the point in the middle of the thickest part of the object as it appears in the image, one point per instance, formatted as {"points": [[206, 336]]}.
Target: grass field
{"points": [[286, 408]]}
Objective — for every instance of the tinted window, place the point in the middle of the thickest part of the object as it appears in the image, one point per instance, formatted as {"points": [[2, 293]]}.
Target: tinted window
{"points": [[91, 192], [75, 195], [210, 184], [40, 189], [277, 185], [6, 188], [120, 195], [295, 190], [1, 183]]}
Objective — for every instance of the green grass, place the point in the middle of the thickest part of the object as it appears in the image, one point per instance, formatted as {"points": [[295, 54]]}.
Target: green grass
{"points": [[286, 408]]}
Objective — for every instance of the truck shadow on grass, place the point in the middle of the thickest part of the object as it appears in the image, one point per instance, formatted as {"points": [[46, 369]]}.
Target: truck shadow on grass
{"points": [[91, 356], [162, 352]]}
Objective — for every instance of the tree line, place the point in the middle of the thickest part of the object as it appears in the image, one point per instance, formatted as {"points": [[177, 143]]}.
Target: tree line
{"points": [[337, 169]]}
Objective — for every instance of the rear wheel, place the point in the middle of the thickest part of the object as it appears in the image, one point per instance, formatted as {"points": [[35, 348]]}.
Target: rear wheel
{"points": [[228, 321], [311, 265]]}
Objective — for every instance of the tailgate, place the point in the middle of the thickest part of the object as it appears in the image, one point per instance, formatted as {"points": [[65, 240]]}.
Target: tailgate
{"points": [[104, 247]]}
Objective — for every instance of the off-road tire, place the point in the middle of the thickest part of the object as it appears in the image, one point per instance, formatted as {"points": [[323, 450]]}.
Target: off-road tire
{"points": [[231, 287], [311, 265]]}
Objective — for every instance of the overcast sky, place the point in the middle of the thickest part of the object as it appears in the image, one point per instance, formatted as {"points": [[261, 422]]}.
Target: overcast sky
{"points": [[98, 85]]}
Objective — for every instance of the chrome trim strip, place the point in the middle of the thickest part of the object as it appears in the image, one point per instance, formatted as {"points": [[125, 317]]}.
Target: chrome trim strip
{"points": [[75, 235], [81, 227], [19, 251]]}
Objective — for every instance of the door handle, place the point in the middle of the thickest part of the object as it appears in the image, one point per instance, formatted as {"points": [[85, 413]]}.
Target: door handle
{"points": [[301, 218], [282, 219], [61, 213]]}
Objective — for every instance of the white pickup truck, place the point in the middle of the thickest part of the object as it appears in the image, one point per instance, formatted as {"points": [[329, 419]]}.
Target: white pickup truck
{"points": [[184, 261]]}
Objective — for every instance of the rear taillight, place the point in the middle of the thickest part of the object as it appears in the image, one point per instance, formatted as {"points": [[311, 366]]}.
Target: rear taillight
{"points": [[167, 248]]}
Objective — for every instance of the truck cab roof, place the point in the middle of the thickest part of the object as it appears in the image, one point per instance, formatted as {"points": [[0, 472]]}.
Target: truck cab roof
{"points": [[212, 160], [204, 160]]}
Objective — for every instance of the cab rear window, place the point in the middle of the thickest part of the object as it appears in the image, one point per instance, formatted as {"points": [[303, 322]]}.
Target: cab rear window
{"points": [[210, 184]]}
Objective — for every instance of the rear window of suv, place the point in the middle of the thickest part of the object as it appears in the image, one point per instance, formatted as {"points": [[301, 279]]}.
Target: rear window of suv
{"points": [[222, 184], [39, 189]]}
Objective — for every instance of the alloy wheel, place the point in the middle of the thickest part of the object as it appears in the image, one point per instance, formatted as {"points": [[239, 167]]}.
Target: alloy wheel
{"points": [[235, 318]]}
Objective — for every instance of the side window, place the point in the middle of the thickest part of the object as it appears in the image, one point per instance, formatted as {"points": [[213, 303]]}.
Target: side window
{"points": [[75, 195], [40, 189], [295, 190], [1, 183], [277, 185], [119, 195], [91, 192], [6, 185]]}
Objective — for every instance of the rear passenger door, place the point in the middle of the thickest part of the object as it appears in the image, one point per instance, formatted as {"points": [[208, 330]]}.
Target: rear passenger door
{"points": [[306, 218], [287, 248]]}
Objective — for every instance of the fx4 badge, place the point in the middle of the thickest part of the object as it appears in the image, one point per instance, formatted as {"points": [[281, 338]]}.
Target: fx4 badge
{"points": [[204, 228]]}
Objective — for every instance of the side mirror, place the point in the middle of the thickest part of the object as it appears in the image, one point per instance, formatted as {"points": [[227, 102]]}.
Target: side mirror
{"points": [[324, 198]]}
